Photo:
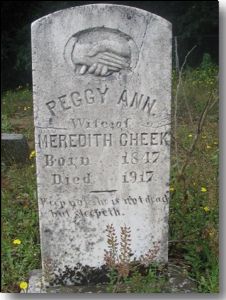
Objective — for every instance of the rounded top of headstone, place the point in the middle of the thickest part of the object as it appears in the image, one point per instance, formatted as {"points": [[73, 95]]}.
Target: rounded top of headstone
{"points": [[101, 6]]}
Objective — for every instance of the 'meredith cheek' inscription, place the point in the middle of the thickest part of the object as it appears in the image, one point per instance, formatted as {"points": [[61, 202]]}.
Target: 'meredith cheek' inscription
{"points": [[48, 141]]}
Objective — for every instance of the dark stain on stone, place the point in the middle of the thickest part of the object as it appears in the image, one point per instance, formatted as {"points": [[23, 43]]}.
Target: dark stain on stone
{"points": [[81, 275], [85, 275]]}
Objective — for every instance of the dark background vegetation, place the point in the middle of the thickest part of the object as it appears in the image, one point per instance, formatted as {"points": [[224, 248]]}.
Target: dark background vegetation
{"points": [[194, 23]]}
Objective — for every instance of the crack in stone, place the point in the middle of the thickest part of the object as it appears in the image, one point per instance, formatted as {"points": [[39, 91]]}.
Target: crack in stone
{"points": [[145, 31]]}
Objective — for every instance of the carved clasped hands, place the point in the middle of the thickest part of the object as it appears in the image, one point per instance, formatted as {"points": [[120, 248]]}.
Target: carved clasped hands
{"points": [[101, 59], [100, 51]]}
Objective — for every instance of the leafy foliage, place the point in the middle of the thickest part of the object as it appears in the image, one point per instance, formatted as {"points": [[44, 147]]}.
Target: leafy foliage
{"points": [[126, 274], [6, 126], [19, 223], [194, 215]]}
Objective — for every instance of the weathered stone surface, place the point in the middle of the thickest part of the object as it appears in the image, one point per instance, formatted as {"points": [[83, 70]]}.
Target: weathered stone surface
{"points": [[102, 89], [14, 148], [177, 281], [35, 285]]}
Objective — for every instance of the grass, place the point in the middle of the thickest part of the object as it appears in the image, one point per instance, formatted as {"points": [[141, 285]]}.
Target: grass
{"points": [[194, 198], [17, 102], [19, 221], [152, 282], [193, 219], [19, 203], [17, 113]]}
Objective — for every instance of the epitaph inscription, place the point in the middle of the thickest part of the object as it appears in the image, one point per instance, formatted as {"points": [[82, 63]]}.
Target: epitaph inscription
{"points": [[102, 131]]}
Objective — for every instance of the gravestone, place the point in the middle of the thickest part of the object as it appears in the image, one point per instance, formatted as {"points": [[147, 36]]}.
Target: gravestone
{"points": [[102, 97], [14, 148]]}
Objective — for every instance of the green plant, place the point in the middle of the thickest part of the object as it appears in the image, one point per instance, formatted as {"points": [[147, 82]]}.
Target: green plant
{"points": [[17, 101], [153, 281], [127, 274], [194, 175], [6, 125], [210, 282], [20, 235], [118, 260]]}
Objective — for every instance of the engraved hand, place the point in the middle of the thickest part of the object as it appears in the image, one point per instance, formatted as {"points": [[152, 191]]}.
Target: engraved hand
{"points": [[102, 60]]}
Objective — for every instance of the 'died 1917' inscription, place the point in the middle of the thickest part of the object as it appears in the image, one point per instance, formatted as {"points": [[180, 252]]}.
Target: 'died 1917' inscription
{"points": [[101, 77]]}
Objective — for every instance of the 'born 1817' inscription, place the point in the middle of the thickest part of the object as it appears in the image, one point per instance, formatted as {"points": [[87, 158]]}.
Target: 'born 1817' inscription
{"points": [[102, 131]]}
